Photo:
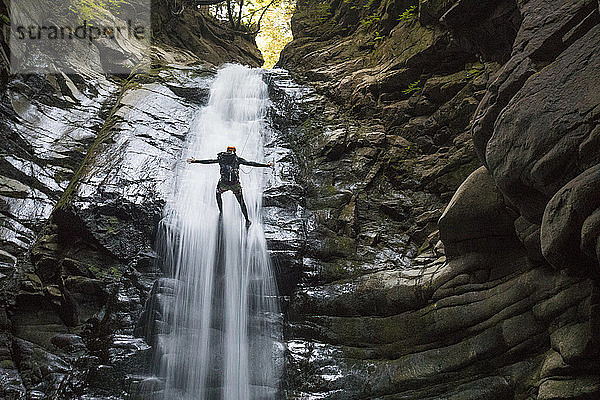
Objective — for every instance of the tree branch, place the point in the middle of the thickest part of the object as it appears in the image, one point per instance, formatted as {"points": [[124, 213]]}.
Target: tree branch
{"points": [[230, 14], [239, 21], [206, 2], [261, 17]]}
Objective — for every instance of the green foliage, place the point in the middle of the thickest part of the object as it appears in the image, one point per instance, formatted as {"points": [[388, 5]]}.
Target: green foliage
{"points": [[355, 6], [7, 364], [366, 5], [35, 280], [408, 14], [475, 70], [114, 272], [90, 9], [275, 31], [113, 225], [371, 19], [323, 12], [413, 87], [378, 38], [98, 273]]}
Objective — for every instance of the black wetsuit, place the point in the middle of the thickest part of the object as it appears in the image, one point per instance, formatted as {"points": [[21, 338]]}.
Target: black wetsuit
{"points": [[229, 164]]}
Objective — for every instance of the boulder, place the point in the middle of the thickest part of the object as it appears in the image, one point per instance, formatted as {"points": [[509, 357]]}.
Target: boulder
{"points": [[570, 225], [476, 214], [536, 146]]}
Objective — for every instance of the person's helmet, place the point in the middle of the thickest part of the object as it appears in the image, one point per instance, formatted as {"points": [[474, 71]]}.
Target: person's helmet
{"points": [[231, 148]]}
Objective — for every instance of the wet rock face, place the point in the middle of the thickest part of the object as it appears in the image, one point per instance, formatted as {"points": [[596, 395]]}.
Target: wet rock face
{"points": [[43, 148], [84, 309], [557, 170], [506, 307], [77, 299], [87, 162], [383, 147]]}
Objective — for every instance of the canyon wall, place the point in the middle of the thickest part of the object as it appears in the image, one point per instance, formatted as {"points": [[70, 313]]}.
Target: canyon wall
{"points": [[451, 166], [434, 225], [87, 162]]}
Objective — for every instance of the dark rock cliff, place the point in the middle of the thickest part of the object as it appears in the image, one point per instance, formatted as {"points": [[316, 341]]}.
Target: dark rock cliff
{"points": [[435, 228], [86, 163], [412, 98]]}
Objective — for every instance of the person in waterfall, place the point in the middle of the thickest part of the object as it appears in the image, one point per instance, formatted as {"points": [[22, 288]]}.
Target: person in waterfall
{"points": [[229, 164]]}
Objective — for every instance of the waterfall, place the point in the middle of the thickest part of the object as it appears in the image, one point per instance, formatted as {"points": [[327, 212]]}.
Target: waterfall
{"points": [[225, 335]]}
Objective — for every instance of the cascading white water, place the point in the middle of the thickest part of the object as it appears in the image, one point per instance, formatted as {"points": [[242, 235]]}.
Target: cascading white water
{"points": [[225, 320]]}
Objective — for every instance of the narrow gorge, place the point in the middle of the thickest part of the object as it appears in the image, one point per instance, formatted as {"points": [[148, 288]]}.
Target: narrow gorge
{"points": [[430, 229]]}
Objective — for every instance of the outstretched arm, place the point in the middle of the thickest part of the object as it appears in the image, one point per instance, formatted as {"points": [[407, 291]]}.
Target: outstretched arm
{"points": [[193, 160], [254, 163]]}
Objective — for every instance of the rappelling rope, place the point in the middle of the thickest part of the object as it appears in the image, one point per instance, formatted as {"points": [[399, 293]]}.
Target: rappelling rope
{"points": [[249, 172], [245, 143], [244, 147]]}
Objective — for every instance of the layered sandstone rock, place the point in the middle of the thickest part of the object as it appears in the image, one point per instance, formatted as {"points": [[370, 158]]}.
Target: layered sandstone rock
{"points": [[507, 306]]}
